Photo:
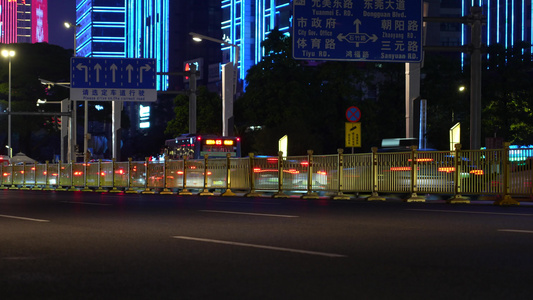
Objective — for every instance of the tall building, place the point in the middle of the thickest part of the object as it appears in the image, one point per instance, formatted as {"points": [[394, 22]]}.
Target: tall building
{"points": [[8, 21], [507, 21], [39, 20], [23, 21], [147, 25], [246, 23]]}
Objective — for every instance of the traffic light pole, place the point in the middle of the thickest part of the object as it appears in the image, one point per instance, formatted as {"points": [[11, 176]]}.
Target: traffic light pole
{"points": [[476, 21]]}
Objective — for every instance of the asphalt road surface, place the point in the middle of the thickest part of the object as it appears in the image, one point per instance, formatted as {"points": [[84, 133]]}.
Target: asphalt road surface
{"points": [[73, 245]]}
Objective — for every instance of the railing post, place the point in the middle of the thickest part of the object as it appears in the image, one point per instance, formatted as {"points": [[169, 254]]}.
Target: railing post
{"points": [[505, 198], [310, 194], [72, 187], [228, 191], [85, 167], [47, 186], [185, 191], [206, 192], [129, 189], [340, 177], [2, 186], [414, 177], [24, 188], [114, 167], [99, 174], [35, 187], [12, 187], [146, 171], [280, 193], [59, 187], [251, 173], [457, 197], [166, 190], [375, 196]]}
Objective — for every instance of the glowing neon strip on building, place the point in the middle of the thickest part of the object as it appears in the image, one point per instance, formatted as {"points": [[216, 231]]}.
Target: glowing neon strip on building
{"points": [[248, 27], [8, 21], [147, 34], [508, 22], [131, 28]]}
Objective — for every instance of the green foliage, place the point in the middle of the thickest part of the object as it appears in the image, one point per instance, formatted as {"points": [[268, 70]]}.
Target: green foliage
{"points": [[308, 102], [446, 104], [33, 135], [208, 110], [508, 94]]}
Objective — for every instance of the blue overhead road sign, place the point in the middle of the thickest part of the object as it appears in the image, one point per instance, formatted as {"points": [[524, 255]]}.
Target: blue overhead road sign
{"points": [[358, 30], [113, 79]]}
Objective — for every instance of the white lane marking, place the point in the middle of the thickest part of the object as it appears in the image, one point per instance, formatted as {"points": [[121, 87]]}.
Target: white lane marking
{"points": [[246, 202], [85, 203], [259, 246], [247, 214], [25, 219], [471, 212], [515, 230]]}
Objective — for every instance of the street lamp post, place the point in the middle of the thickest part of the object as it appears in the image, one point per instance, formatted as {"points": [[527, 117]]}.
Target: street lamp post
{"points": [[227, 111], [74, 106], [9, 54]]}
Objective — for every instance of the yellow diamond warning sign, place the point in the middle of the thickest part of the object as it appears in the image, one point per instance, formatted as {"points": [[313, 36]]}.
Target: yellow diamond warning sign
{"points": [[353, 134]]}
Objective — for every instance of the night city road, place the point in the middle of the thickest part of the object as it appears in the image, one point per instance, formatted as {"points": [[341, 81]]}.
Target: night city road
{"points": [[73, 245]]}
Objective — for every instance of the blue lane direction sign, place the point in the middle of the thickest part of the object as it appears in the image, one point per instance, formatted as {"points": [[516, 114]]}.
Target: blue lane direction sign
{"points": [[113, 79], [358, 30]]}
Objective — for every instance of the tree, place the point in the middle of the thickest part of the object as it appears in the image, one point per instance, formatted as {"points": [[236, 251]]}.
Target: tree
{"points": [[508, 94], [31, 62], [208, 114], [307, 102]]}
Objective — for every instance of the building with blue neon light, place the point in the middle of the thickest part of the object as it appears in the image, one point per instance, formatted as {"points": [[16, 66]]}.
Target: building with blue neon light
{"points": [[507, 21], [247, 23]]}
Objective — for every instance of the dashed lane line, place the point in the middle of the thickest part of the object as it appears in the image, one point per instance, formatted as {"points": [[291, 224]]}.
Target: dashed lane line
{"points": [[299, 251], [24, 218]]}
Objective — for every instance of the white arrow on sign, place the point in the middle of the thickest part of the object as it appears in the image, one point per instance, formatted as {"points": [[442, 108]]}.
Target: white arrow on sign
{"points": [[81, 66], [98, 68], [114, 69], [145, 68], [129, 68]]}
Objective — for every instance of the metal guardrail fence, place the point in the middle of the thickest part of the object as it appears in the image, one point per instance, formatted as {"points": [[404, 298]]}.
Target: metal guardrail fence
{"points": [[451, 173]]}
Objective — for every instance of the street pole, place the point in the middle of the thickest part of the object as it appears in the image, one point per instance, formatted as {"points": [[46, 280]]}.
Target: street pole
{"points": [[475, 80], [9, 54], [227, 96], [192, 100], [9, 116]]}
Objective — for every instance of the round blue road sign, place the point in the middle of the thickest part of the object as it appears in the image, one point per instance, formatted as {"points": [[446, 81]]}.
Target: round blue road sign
{"points": [[353, 114]]}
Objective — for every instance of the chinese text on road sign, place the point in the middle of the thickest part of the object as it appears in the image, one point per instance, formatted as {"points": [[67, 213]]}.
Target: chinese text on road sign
{"points": [[353, 134], [358, 30], [113, 79]]}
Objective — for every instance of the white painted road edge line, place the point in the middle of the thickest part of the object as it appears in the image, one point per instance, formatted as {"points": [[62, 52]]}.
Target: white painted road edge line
{"points": [[85, 203], [259, 246], [515, 230], [25, 219], [470, 212], [248, 214]]}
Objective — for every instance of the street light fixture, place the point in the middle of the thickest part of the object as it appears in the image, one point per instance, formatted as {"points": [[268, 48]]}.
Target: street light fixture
{"points": [[227, 112], [9, 54], [86, 135]]}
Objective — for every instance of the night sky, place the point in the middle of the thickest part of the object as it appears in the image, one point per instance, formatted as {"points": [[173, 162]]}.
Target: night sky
{"points": [[59, 12]]}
